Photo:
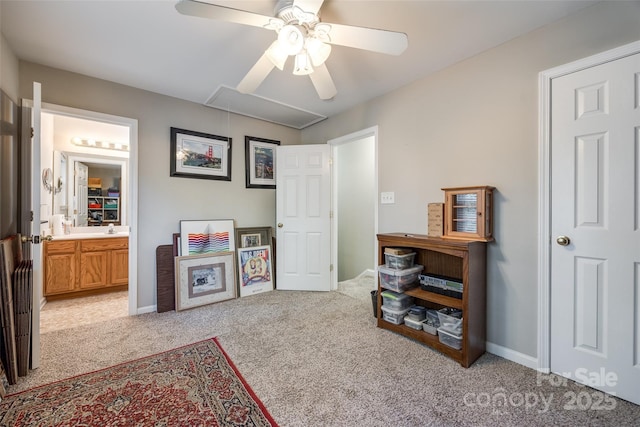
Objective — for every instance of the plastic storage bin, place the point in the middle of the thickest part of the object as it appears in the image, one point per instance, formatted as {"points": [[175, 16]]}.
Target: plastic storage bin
{"points": [[399, 280], [396, 300], [450, 319], [433, 316], [413, 323], [417, 312], [393, 316], [449, 338], [430, 327], [399, 262]]}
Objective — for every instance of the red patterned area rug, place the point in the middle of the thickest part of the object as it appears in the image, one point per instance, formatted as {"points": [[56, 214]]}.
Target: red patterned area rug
{"points": [[194, 385]]}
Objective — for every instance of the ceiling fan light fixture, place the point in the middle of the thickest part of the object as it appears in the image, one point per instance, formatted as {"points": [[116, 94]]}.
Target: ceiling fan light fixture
{"points": [[277, 54], [318, 51], [302, 65], [291, 39]]}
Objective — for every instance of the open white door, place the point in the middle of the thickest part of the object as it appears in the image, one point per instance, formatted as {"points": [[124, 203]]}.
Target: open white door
{"points": [[303, 209], [30, 215], [80, 195], [595, 224]]}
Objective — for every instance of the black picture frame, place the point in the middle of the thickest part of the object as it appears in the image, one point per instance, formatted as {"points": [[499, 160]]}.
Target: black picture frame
{"points": [[200, 155], [260, 162]]}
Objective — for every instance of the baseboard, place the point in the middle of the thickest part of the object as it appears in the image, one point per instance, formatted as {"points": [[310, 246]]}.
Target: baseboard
{"points": [[367, 272], [512, 355], [147, 309]]}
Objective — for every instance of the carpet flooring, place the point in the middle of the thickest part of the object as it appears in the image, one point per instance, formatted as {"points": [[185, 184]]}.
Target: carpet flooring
{"points": [[318, 359]]}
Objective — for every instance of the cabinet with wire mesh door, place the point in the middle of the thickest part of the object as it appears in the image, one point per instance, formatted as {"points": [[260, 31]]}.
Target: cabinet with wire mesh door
{"points": [[103, 210], [468, 213]]}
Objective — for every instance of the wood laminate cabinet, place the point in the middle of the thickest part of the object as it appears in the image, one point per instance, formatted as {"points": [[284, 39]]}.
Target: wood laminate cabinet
{"points": [[464, 260], [84, 266]]}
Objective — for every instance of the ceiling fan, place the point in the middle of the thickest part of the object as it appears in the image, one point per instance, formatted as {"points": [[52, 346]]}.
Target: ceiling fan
{"points": [[300, 34]]}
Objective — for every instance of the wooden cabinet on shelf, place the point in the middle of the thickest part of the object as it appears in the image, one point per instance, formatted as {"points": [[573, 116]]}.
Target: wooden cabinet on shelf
{"points": [[84, 266], [103, 210], [464, 260], [469, 213]]}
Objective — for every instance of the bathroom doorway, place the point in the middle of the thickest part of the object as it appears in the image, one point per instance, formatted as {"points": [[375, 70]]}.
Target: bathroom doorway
{"points": [[106, 146]]}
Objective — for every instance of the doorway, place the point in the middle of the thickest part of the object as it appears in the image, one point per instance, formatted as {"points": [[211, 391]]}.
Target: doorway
{"points": [[109, 144], [354, 205], [588, 287]]}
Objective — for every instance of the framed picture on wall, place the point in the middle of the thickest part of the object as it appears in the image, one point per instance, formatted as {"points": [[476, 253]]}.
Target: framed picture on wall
{"points": [[260, 162], [200, 155]]}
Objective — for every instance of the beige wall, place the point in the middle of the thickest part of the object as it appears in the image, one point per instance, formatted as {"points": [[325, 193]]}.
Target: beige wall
{"points": [[8, 69], [162, 200], [476, 123]]}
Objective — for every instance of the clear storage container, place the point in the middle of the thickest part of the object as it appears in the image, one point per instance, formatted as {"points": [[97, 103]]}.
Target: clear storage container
{"points": [[450, 319], [396, 300], [399, 262], [393, 316], [430, 327], [399, 280], [417, 312], [413, 323], [449, 338]]}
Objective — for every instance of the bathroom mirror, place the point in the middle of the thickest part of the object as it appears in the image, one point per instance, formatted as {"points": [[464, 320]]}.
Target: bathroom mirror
{"points": [[47, 179]]}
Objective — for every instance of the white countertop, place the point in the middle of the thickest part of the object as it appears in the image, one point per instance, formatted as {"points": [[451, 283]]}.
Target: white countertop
{"points": [[103, 235], [93, 233]]}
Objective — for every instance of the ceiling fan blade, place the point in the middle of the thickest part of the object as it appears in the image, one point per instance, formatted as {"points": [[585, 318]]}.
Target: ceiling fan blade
{"points": [[323, 82], [256, 75], [312, 6], [222, 13], [383, 41]]}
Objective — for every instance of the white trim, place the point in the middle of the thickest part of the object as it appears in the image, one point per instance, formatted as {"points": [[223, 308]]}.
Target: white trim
{"points": [[334, 143], [512, 355], [544, 188], [147, 309], [132, 214]]}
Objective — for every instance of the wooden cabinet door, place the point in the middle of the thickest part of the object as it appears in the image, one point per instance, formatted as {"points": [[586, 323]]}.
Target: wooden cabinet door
{"points": [[60, 267], [119, 267], [94, 270], [60, 273]]}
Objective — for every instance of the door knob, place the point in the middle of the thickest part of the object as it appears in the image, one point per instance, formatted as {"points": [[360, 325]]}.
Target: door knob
{"points": [[563, 240], [35, 239], [280, 225]]}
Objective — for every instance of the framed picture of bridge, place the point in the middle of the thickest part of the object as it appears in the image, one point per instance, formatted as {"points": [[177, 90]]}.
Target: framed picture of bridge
{"points": [[200, 155]]}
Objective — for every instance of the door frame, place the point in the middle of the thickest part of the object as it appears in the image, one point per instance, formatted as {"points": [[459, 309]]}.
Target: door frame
{"points": [[334, 143], [544, 188], [132, 189]]}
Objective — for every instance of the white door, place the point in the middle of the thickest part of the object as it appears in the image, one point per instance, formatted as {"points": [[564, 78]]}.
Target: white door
{"points": [[303, 208], [595, 267], [30, 209], [81, 179]]}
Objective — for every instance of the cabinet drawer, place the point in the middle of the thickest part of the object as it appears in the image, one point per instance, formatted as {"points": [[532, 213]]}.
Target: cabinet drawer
{"points": [[104, 244], [60, 247]]}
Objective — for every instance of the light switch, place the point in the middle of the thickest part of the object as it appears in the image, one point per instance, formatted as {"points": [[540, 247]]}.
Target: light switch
{"points": [[387, 198]]}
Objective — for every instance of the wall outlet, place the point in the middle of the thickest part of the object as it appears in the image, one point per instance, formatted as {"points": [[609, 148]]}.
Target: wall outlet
{"points": [[387, 198]]}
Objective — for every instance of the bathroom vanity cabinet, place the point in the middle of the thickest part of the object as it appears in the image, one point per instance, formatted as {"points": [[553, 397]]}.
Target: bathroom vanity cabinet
{"points": [[79, 267]]}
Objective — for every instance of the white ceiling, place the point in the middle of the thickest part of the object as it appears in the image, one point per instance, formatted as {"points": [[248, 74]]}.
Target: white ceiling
{"points": [[147, 44]]}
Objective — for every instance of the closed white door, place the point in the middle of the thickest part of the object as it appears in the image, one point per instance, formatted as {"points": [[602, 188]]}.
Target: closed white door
{"points": [[595, 248], [303, 208], [81, 174]]}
